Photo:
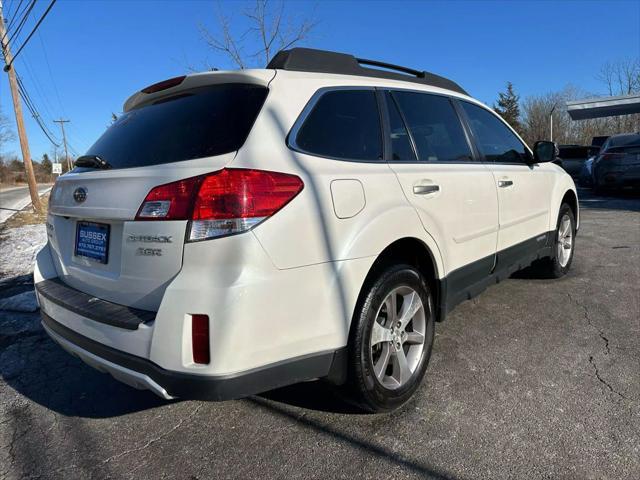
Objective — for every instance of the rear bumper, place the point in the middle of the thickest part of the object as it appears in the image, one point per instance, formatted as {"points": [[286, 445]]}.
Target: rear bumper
{"points": [[93, 308], [143, 374], [620, 178], [260, 338]]}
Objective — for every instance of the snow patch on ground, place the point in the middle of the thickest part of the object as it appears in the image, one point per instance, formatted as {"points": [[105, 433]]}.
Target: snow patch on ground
{"points": [[18, 249], [23, 302]]}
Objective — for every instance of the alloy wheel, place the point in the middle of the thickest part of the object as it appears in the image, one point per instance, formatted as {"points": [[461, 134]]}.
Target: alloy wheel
{"points": [[398, 337], [565, 240]]}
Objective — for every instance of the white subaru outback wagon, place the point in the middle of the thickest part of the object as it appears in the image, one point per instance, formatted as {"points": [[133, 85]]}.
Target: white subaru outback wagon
{"points": [[233, 232]]}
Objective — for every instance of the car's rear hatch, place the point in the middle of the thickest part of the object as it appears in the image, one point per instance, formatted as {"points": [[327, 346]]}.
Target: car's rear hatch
{"points": [[165, 135], [625, 156]]}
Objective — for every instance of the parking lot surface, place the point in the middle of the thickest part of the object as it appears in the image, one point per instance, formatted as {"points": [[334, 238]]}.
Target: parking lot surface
{"points": [[534, 378]]}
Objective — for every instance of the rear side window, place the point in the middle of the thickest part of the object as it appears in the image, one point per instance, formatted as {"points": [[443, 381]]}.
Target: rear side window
{"points": [[435, 127], [496, 142], [343, 124], [196, 123]]}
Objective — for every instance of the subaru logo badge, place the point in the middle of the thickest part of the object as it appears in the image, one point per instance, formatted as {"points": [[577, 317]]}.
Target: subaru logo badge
{"points": [[80, 194]]}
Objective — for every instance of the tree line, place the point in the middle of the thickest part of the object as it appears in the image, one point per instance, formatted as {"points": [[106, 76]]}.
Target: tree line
{"points": [[11, 166]]}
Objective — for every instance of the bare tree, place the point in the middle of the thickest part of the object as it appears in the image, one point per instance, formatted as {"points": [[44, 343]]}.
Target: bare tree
{"points": [[618, 78], [6, 132], [621, 77], [269, 26]]}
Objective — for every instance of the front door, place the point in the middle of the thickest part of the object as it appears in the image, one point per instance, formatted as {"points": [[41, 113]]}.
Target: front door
{"points": [[524, 190]]}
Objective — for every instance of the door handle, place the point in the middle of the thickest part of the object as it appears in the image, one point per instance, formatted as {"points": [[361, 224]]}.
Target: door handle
{"points": [[425, 189], [505, 183]]}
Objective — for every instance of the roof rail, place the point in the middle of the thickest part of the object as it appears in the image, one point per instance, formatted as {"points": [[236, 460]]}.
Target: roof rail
{"points": [[323, 61]]}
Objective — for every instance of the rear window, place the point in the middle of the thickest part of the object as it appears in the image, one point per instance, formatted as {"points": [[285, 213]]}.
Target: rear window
{"points": [[622, 141], [627, 149], [343, 124], [196, 123]]}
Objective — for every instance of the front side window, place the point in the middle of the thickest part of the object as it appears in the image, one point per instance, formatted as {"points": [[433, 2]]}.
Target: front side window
{"points": [[343, 124], [434, 126], [496, 142]]}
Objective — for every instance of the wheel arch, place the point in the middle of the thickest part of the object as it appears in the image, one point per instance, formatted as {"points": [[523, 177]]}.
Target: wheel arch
{"points": [[571, 199], [564, 191], [410, 250]]}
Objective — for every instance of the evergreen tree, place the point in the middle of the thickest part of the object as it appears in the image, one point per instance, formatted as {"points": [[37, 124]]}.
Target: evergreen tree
{"points": [[46, 163], [508, 107]]}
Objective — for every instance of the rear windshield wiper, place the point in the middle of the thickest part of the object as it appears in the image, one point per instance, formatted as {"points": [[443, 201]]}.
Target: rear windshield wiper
{"points": [[92, 161]]}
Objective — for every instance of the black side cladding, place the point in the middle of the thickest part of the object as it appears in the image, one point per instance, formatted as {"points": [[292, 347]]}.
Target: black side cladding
{"points": [[322, 61]]}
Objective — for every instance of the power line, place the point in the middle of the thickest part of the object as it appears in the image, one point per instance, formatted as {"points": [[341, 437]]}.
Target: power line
{"points": [[22, 133], [14, 16], [22, 91], [25, 14], [39, 89], [53, 82], [32, 32], [34, 111], [36, 115]]}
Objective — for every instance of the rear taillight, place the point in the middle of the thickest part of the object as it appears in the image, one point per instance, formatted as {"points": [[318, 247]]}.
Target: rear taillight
{"points": [[172, 201], [222, 203], [612, 156]]}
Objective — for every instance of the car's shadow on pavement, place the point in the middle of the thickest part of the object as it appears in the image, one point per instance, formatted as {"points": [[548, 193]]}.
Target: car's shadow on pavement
{"points": [[37, 368], [318, 395], [614, 200]]}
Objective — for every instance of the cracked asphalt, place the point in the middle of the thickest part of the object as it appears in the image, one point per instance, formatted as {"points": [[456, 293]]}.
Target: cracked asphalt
{"points": [[534, 378]]}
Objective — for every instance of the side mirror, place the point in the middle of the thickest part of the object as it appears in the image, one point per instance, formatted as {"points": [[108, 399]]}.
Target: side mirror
{"points": [[545, 151]]}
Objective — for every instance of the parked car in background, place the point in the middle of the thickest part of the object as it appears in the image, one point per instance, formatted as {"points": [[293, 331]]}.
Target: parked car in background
{"points": [[617, 166], [573, 157]]}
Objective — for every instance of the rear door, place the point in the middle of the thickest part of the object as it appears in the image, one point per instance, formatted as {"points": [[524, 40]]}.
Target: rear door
{"points": [[98, 245], [454, 195], [524, 190]]}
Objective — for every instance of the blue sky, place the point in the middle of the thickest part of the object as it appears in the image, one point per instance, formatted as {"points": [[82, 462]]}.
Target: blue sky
{"points": [[100, 52]]}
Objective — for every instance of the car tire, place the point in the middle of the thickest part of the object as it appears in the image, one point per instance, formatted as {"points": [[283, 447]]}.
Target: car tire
{"points": [[387, 362], [564, 243]]}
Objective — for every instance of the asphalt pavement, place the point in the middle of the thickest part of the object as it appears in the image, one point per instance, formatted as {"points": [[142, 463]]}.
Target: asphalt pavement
{"points": [[535, 378], [14, 199]]}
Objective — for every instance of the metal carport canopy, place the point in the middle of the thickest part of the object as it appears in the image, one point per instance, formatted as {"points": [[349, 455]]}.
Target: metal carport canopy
{"points": [[604, 107]]}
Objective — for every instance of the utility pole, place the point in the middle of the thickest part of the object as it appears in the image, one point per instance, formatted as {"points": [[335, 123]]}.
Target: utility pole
{"points": [[64, 139], [17, 108], [551, 121]]}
